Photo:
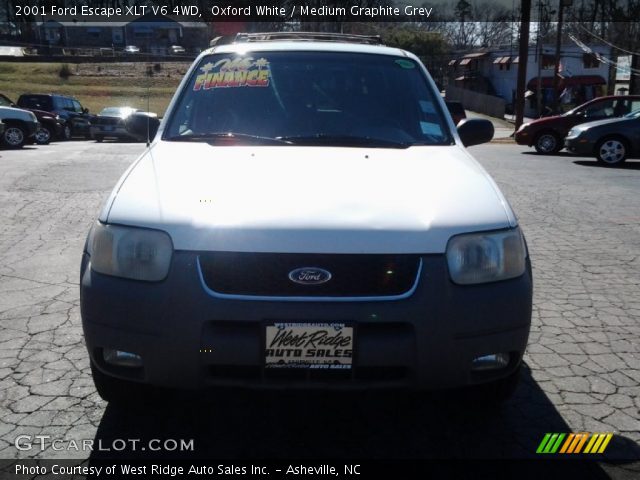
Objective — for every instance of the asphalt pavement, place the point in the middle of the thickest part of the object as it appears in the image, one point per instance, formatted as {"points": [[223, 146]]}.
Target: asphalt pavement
{"points": [[582, 368]]}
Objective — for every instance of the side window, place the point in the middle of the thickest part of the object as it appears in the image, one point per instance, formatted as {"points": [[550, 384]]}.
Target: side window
{"points": [[44, 103], [621, 107], [602, 109], [60, 103], [635, 106], [76, 106]]}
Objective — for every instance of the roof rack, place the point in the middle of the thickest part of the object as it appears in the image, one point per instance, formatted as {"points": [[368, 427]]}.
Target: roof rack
{"points": [[308, 37]]}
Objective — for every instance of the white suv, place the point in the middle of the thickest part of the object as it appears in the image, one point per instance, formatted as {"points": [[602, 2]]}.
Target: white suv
{"points": [[307, 217]]}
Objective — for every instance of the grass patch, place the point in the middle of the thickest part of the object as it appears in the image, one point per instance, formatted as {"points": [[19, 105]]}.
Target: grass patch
{"points": [[96, 85]]}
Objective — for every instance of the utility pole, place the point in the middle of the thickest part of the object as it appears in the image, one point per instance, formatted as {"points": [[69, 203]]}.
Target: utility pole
{"points": [[556, 68], [634, 79], [539, 54], [523, 58]]}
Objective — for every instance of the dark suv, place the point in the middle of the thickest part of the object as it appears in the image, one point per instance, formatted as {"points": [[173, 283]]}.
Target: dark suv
{"points": [[547, 134], [77, 118]]}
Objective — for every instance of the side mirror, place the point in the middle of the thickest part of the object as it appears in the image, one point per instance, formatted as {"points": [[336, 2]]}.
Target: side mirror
{"points": [[85, 110], [475, 131], [137, 124]]}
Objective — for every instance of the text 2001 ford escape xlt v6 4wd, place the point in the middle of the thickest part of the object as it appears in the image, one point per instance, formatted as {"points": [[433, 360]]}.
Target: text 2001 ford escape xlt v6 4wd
{"points": [[307, 217]]}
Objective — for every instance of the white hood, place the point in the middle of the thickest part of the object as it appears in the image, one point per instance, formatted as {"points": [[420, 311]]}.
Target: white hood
{"points": [[308, 199]]}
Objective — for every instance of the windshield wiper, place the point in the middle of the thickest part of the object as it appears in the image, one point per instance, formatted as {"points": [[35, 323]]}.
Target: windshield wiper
{"points": [[204, 137], [342, 140]]}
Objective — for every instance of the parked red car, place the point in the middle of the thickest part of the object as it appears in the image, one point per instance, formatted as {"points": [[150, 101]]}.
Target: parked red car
{"points": [[547, 134]]}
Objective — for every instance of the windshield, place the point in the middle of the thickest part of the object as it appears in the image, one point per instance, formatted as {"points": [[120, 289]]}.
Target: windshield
{"points": [[634, 114], [310, 98]]}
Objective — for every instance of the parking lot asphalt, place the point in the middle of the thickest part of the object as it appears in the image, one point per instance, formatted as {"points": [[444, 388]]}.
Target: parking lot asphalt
{"points": [[582, 371]]}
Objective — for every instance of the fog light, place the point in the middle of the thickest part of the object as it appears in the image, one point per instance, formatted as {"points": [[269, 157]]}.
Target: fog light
{"points": [[490, 362], [121, 359]]}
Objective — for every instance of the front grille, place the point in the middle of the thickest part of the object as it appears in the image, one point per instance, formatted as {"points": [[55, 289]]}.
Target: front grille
{"points": [[267, 274]]}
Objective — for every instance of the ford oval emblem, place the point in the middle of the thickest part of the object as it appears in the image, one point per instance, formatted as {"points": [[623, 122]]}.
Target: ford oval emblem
{"points": [[309, 275]]}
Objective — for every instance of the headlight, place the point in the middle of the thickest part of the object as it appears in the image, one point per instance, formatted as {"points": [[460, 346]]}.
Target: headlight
{"points": [[127, 252], [486, 256], [573, 133]]}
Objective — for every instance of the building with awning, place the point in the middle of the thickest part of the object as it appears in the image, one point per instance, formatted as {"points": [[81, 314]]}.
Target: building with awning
{"points": [[547, 82], [152, 33], [581, 75]]}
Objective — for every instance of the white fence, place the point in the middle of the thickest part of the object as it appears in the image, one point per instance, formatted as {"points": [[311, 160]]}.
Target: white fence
{"points": [[477, 102]]}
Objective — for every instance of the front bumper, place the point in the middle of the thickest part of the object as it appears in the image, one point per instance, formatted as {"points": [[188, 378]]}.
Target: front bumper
{"points": [[575, 146], [32, 128], [523, 137], [109, 131], [188, 338]]}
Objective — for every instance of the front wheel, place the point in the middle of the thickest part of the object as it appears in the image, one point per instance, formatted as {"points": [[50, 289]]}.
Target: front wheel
{"points": [[547, 143], [99, 138], [611, 151], [43, 136], [66, 133], [14, 136]]}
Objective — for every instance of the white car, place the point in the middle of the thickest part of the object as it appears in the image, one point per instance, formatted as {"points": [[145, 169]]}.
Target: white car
{"points": [[20, 126], [307, 216]]}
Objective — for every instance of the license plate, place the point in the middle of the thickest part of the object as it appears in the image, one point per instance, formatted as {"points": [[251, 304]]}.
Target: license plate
{"points": [[108, 129], [309, 345]]}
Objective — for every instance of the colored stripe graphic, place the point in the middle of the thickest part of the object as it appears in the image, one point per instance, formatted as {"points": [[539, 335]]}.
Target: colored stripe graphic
{"points": [[594, 437], [574, 443], [557, 444], [550, 443], [543, 443], [606, 442], [567, 443], [582, 442]]}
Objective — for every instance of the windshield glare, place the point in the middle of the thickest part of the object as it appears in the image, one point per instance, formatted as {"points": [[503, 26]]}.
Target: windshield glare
{"points": [[325, 96], [116, 111]]}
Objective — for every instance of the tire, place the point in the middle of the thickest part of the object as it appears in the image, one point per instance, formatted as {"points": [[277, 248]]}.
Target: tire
{"points": [[14, 136], [117, 391], [43, 136], [99, 138], [547, 143], [66, 133], [612, 151]]}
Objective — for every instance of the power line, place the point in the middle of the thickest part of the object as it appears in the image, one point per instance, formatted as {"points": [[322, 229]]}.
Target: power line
{"points": [[608, 43], [601, 58]]}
